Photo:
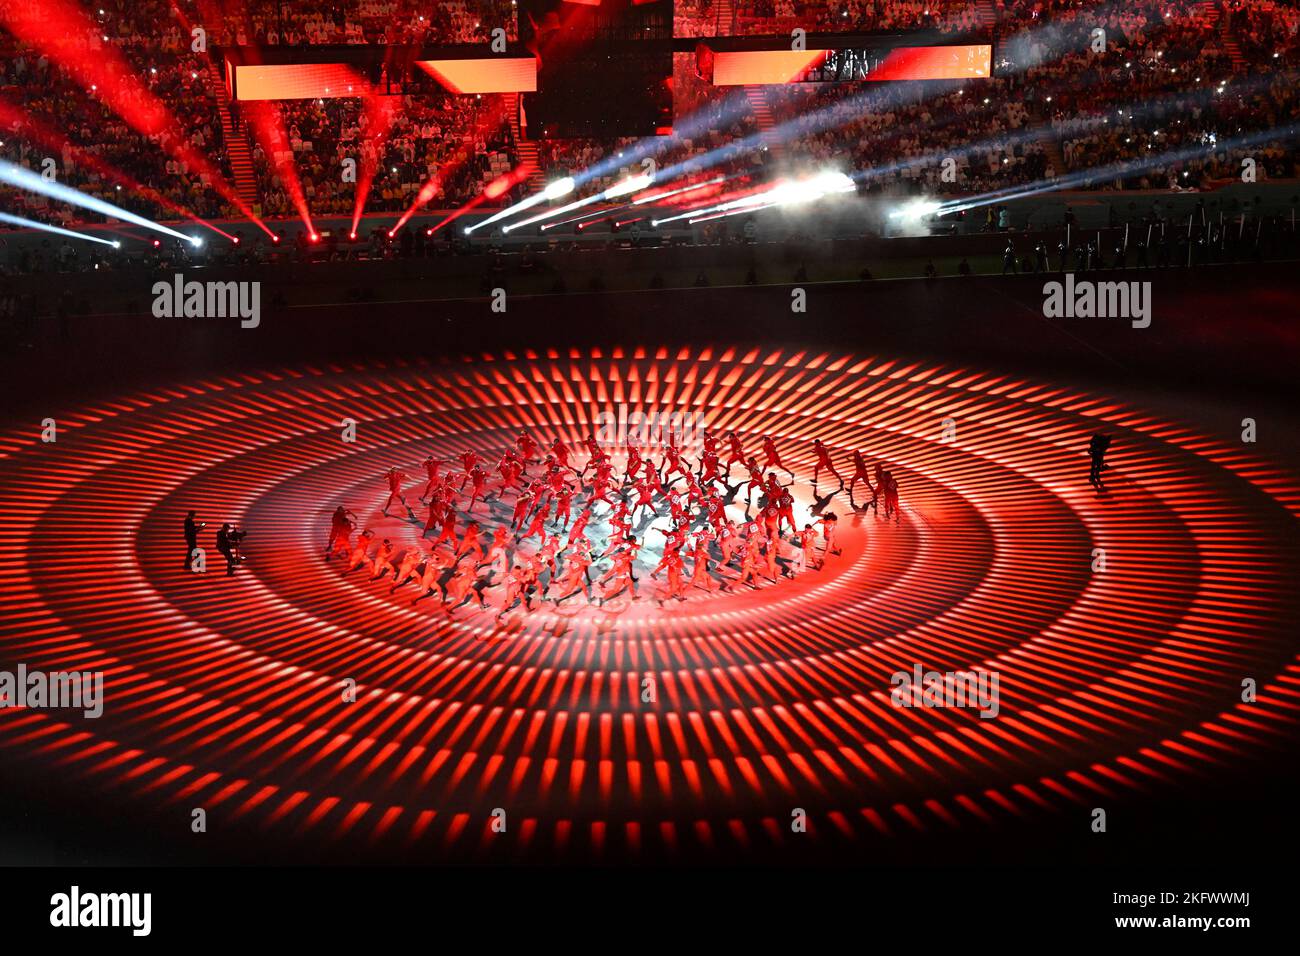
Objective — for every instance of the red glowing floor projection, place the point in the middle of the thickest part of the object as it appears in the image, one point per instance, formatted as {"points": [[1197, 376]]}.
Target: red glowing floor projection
{"points": [[226, 693]]}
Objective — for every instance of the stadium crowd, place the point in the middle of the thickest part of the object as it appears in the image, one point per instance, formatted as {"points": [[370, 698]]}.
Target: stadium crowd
{"points": [[1166, 79], [1187, 89]]}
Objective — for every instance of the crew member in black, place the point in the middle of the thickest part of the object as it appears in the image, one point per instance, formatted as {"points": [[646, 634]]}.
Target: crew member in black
{"points": [[1097, 451], [228, 539], [192, 529]]}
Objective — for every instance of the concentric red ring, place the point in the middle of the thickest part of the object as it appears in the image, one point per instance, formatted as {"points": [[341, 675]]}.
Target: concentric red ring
{"points": [[225, 693]]}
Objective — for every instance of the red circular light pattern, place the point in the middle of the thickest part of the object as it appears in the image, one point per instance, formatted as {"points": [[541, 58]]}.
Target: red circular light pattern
{"points": [[227, 692]]}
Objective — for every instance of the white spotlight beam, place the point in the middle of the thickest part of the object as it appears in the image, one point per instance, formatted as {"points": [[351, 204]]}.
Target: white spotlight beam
{"points": [[1122, 168], [624, 188], [733, 212], [561, 187], [786, 192], [22, 178], [754, 199], [638, 202], [558, 211], [57, 230]]}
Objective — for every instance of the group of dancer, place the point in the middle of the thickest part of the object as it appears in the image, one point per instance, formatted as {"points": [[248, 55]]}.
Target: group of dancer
{"points": [[545, 552]]}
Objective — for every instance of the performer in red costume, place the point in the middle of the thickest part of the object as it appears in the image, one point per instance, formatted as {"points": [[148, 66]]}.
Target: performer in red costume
{"points": [[634, 462], [497, 559], [596, 453], [756, 481], [523, 506], [395, 479], [785, 504], [448, 532], [460, 588], [579, 526], [561, 452], [383, 562], [520, 586], [673, 464], [468, 460], [728, 539], [709, 468], [478, 485], [436, 506], [470, 543], [620, 574], [773, 459], [427, 584], [527, 448], [700, 576], [575, 578], [750, 558], [830, 524], [431, 466], [537, 526], [342, 524], [808, 545], [674, 539], [564, 504], [891, 497], [361, 553], [406, 568], [600, 486], [824, 461], [860, 473], [511, 473], [737, 452], [676, 586]]}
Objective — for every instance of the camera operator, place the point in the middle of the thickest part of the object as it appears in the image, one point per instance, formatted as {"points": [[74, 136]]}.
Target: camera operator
{"points": [[228, 539]]}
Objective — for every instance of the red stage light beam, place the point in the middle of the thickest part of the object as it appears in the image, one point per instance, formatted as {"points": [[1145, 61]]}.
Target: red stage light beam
{"points": [[679, 191], [591, 222], [431, 188], [380, 111], [271, 127], [493, 190], [671, 197], [267, 124]]}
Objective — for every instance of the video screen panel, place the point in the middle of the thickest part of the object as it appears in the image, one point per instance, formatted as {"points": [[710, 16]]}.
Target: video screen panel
{"points": [[761, 67]]}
